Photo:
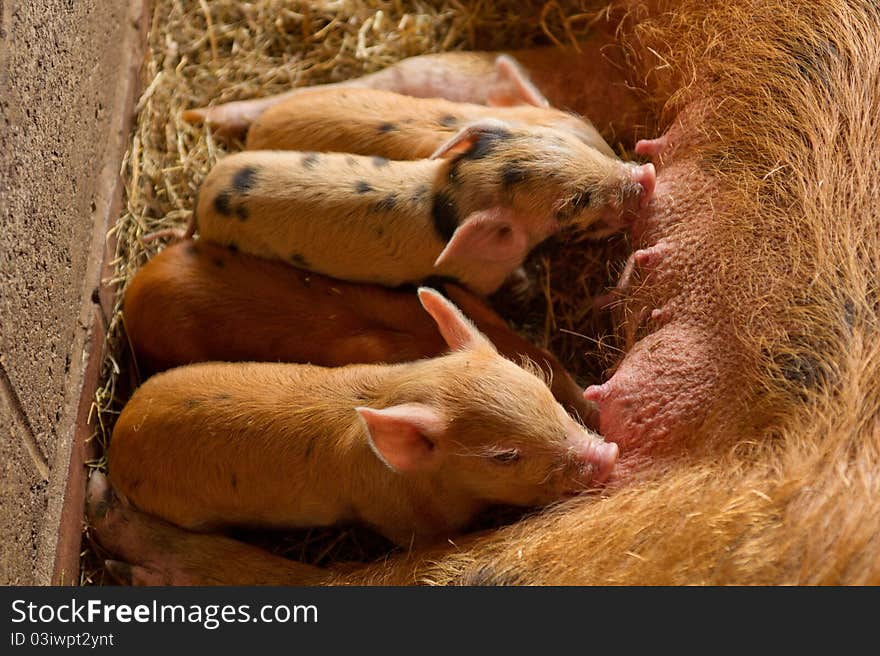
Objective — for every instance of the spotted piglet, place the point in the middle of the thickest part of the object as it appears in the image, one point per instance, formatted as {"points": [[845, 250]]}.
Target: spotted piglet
{"points": [[471, 213], [376, 122]]}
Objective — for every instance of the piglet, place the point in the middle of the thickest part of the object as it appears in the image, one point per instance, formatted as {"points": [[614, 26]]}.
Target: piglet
{"points": [[196, 301], [414, 450], [375, 122], [471, 213], [504, 84]]}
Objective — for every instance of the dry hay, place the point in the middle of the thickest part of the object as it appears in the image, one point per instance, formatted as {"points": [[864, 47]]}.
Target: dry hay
{"points": [[204, 52]]}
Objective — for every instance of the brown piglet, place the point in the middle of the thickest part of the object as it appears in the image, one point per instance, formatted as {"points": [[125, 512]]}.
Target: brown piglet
{"points": [[196, 302], [414, 450]]}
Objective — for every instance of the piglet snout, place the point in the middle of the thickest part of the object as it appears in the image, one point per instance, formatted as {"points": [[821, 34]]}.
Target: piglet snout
{"points": [[645, 176], [595, 459], [636, 183]]}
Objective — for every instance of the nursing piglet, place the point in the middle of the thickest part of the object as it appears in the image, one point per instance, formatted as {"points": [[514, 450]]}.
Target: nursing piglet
{"points": [[197, 302], [375, 122], [414, 450], [491, 194], [508, 84]]}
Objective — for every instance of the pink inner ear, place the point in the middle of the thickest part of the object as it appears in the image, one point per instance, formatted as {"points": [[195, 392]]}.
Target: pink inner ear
{"points": [[459, 143], [494, 235], [458, 332], [404, 436], [465, 138]]}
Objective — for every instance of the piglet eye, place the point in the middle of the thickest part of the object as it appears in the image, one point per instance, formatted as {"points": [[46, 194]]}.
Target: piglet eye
{"points": [[581, 200], [506, 457]]}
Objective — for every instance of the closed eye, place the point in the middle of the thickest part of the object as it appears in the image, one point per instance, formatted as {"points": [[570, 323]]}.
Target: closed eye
{"points": [[581, 200], [506, 457], [574, 205]]}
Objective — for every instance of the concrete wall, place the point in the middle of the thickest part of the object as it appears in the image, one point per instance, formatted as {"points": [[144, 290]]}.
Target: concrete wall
{"points": [[66, 88]]}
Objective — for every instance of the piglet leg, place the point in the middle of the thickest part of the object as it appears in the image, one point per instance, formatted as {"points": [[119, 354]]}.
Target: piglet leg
{"points": [[148, 551]]}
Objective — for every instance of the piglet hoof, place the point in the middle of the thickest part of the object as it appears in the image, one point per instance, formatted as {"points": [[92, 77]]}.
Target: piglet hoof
{"points": [[149, 551], [229, 120], [100, 497], [140, 542]]}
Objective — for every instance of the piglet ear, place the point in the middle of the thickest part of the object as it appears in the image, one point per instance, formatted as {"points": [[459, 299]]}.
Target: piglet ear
{"points": [[494, 236], [514, 88], [456, 329], [465, 138], [404, 436]]}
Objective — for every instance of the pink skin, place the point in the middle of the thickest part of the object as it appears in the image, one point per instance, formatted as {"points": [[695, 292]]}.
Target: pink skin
{"points": [[643, 262], [653, 148], [659, 385], [646, 176], [597, 460], [616, 216], [664, 387]]}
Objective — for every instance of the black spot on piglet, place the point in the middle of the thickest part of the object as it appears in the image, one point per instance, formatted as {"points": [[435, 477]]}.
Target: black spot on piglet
{"points": [[310, 160], [485, 144], [221, 204], [448, 121], [244, 179], [420, 193], [386, 127], [386, 204], [444, 214], [363, 187], [513, 173]]}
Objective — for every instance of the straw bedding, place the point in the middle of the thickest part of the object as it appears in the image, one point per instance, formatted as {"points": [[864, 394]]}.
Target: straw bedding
{"points": [[215, 51]]}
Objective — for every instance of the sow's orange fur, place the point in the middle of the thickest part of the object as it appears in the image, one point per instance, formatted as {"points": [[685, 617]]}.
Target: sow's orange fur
{"points": [[767, 198], [198, 302]]}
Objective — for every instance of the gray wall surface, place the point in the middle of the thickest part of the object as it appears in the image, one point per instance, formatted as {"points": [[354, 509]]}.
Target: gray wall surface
{"points": [[65, 88]]}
